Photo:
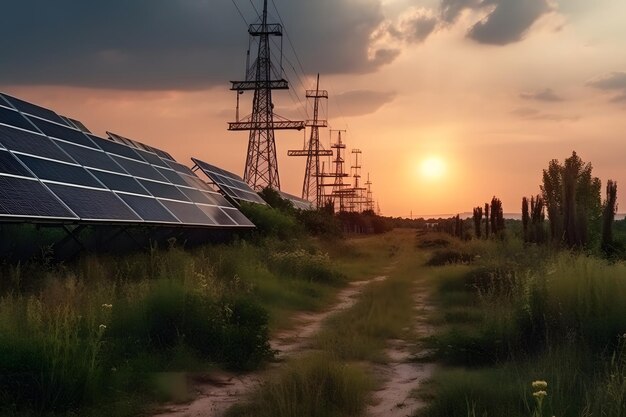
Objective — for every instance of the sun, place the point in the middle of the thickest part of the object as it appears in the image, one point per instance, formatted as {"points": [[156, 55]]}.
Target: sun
{"points": [[433, 168]]}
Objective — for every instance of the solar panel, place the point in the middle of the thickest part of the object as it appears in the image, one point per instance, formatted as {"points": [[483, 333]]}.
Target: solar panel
{"points": [[218, 215], [161, 190], [95, 205], [81, 177], [61, 132], [76, 123], [33, 109], [21, 197], [117, 182], [187, 213], [229, 183], [10, 165], [148, 208], [31, 143], [10, 117], [91, 158], [59, 172], [299, 203], [139, 169]]}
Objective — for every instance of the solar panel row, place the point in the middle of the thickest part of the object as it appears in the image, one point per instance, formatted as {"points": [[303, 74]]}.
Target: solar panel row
{"points": [[230, 184], [299, 203], [51, 168]]}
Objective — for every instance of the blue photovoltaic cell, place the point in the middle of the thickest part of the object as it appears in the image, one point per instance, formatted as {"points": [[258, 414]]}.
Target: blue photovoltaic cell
{"points": [[151, 158], [90, 157], [13, 118], [195, 195], [196, 182], [61, 132], [162, 190], [31, 143], [139, 169], [217, 215], [172, 176], [116, 148], [148, 208], [10, 165], [26, 107], [119, 182], [187, 212], [94, 204], [29, 198], [55, 171], [238, 217]]}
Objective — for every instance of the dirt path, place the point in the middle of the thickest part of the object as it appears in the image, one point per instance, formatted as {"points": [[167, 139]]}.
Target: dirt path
{"points": [[219, 391], [405, 370]]}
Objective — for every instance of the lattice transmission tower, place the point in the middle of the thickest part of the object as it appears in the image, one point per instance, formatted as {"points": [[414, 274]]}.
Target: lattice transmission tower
{"points": [[357, 200], [339, 190], [313, 189], [263, 76]]}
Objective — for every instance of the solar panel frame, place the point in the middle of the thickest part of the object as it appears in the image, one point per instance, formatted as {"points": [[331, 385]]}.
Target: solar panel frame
{"points": [[119, 182], [297, 202], [9, 164], [62, 132], [149, 209], [187, 212], [91, 157]]}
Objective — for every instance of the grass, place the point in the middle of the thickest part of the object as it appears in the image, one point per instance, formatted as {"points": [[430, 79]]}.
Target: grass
{"points": [[96, 337], [335, 378], [518, 314]]}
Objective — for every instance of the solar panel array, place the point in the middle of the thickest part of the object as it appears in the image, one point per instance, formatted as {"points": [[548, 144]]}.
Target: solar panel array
{"points": [[299, 203], [230, 184], [53, 169]]}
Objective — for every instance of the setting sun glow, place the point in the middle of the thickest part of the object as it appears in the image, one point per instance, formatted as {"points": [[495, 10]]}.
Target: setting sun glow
{"points": [[432, 167]]}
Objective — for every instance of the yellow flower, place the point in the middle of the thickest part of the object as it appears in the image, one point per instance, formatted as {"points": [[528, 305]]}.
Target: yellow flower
{"points": [[540, 385]]}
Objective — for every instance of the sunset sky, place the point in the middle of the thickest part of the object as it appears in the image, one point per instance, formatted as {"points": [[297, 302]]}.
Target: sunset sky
{"points": [[486, 91]]}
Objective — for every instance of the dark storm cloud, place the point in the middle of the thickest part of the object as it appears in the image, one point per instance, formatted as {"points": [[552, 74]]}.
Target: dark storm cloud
{"points": [[362, 102], [547, 95], [613, 82], [508, 21], [173, 44]]}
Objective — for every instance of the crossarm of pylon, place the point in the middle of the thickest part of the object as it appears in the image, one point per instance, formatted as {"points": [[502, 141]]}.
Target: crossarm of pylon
{"points": [[317, 123], [256, 85], [316, 94], [309, 153], [276, 125], [272, 29]]}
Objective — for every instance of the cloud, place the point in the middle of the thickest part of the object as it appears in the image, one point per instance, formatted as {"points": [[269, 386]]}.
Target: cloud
{"points": [[507, 21], [362, 102], [547, 95], [613, 82], [528, 113], [174, 44], [415, 26]]}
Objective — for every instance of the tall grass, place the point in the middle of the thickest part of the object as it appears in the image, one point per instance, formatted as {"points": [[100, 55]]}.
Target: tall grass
{"points": [[93, 337], [519, 314]]}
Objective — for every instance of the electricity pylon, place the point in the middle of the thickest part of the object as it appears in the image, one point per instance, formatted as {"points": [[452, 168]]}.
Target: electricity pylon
{"points": [[312, 188], [263, 76]]}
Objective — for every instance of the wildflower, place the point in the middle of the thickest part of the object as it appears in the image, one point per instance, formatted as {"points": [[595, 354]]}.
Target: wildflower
{"points": [[103, 327], [114, 369], [540, 385], [107, 306], [540, 394]]}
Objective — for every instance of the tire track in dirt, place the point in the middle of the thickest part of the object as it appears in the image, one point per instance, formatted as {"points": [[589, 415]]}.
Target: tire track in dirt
{"points": [[218, 391]]}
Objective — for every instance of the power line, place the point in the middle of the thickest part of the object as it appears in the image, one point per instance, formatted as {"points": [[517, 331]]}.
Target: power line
{"points": [[289, 38], [240, 14], [255, 9]]}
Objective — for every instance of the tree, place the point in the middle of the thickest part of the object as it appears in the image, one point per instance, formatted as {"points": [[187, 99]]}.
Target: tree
{"points": [[486, 220], [537, 219], [497, 216], [478, 220], [608, 217], [572, 196], [525, 218]]}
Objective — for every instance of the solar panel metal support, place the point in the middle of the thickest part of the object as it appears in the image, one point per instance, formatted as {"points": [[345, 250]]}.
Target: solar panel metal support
{"points": [[261, 170], [71, 235]]}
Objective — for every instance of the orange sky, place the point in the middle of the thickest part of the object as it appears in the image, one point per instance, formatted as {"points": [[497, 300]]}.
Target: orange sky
{"points": [[495, 114]]}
